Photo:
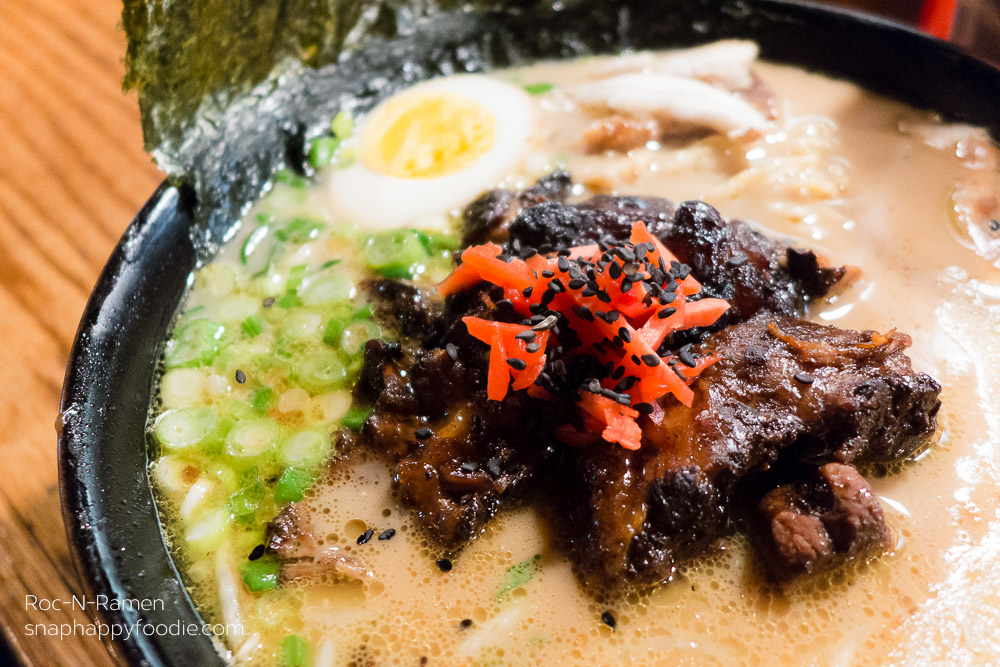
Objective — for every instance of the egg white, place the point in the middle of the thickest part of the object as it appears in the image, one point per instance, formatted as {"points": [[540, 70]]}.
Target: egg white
{"points": [[378, 201]]}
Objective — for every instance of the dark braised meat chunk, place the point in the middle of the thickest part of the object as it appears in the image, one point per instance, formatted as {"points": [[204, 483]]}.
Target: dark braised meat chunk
{"points": [[291, 539], [409, 310], [737, 263], [456, 454], [731, 259], [818, 522], [555, 225], [781, 385], [487, 218]]}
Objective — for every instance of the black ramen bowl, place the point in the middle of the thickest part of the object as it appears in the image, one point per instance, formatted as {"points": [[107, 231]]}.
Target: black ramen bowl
{"points": [[107, 499]]}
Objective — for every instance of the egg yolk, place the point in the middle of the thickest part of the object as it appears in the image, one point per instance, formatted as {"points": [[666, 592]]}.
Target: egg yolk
{"points": [[427, 137]]}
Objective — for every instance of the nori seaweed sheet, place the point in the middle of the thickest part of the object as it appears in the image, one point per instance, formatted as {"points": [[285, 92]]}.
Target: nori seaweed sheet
{"points": [[232, 90]]}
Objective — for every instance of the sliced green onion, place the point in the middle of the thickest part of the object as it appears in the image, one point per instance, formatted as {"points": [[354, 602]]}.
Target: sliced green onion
{"points": [[520, 574], [343, 124], [363, 313], [538, 88], [252, 242], [209, 532], [441, 242], [252, 326], [321, 372], [322, 151], [292, 485], [185, 427], [195, 344], [237, 307], [289, 300], [355, 418], [299, 230], [294, 651], [327, 289], [354, 337], [260, 575], [261, 398], [291, 178], [397, 250], [218, 278], [182, 387], [301, 325], [305, 449], [252, 437], [244, 503], [330, 262]]}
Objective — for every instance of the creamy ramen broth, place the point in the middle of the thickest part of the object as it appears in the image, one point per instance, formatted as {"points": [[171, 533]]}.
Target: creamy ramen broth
{"points": [[865, 181]]}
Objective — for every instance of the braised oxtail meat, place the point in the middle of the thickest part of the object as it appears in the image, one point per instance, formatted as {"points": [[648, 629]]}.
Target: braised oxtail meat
{"points": [[818, 522], [780, 385], [731, 260], [455, 454], [555, 225], [292, 541], [737, 263], [407, 309], [488, 217]]}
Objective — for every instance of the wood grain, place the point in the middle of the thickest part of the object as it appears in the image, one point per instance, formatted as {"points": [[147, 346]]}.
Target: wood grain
{"points": [[72, 175]]}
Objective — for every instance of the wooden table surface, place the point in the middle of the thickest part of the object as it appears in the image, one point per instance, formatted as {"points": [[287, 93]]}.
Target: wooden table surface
{"points": [[72, 175]]}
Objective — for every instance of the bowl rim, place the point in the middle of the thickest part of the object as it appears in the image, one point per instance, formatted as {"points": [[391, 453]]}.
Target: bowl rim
{"points": [[86, 518]]}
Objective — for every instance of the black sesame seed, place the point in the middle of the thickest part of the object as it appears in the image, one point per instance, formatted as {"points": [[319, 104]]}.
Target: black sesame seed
{"points": [[625, 334], [615, 271], [257, 552], [643, 408], [995, 225], [739, 259], [556, 286], [423, 433], [620, 371], [517, 364], [526, 336], [547, 323], [527, 253], [547, 297], [466, 623], [444, 564], [241, 377], [493, 466], [452, 351], [531, 348], [604, 297], [650, 360], [526, 292], [536, 308], [387, 534], [666, 312], [366, 536], [268, 302], [505, 303], [577, 283], [666, 298], [588, 292], [684, 354], [804, 378], [636, 360], [562, 264], [608, 619], [548, 274], [612, 316]]}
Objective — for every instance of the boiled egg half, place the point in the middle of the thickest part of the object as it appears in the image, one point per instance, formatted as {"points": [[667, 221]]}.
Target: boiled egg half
{"points": [[432, 148]]}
